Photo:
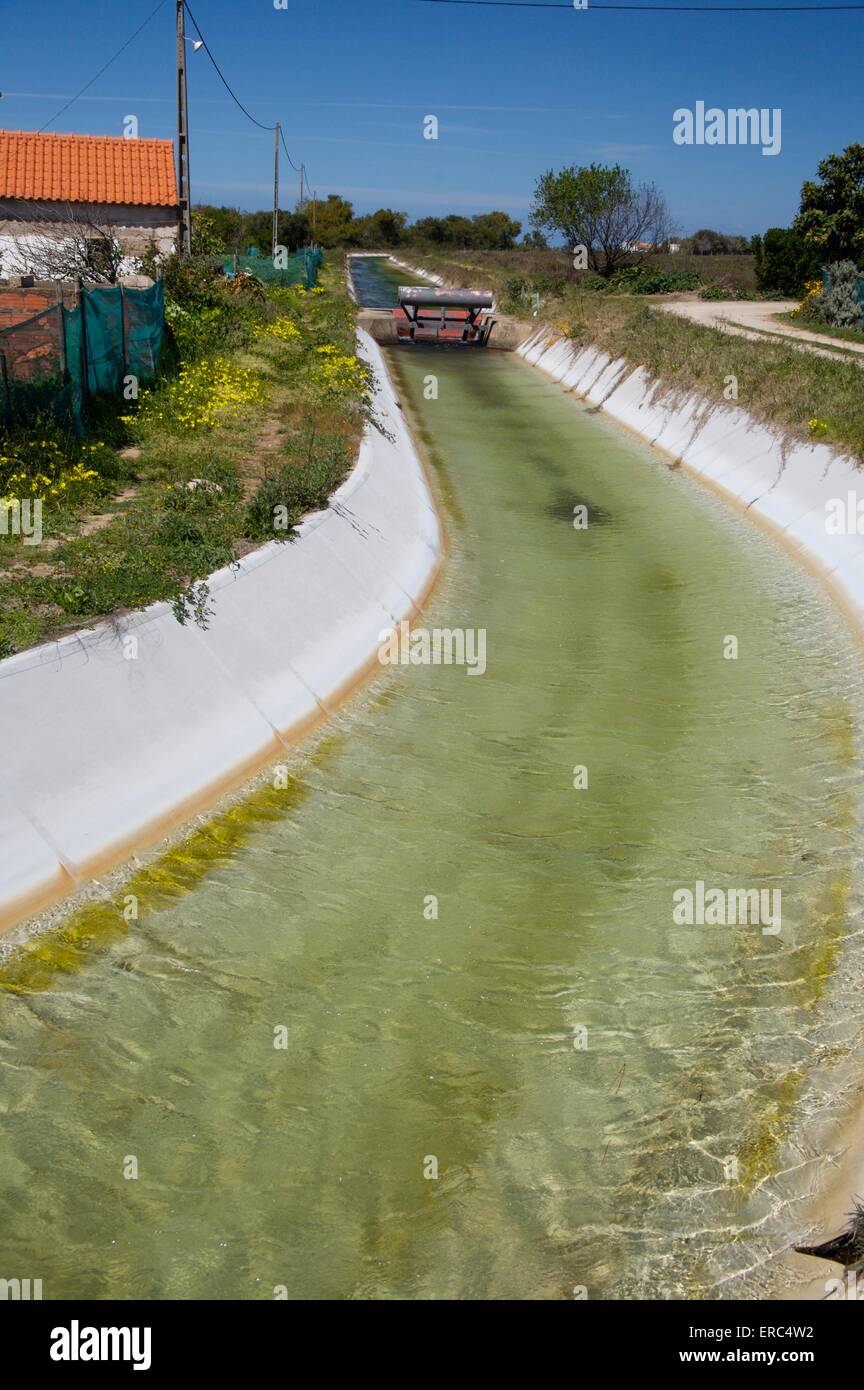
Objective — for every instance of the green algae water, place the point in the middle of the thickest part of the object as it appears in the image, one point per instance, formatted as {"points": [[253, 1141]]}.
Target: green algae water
{"points": [[376, 281], [421, 1024]]}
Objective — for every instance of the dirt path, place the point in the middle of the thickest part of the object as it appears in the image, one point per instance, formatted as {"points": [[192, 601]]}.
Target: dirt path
{"points": [[758, 319]]}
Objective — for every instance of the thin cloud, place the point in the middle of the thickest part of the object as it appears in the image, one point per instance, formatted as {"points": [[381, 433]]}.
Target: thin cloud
{"points": [[390, 197]]}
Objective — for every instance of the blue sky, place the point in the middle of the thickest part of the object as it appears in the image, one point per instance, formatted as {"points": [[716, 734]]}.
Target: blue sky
{"points": [[515, 93]]}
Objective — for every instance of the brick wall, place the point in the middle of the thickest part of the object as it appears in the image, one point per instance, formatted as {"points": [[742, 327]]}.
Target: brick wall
{"points": [[34, 352], [18, 304]]}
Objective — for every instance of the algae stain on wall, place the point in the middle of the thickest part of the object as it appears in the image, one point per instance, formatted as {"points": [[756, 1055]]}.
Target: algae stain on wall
{"points": [[93, 928]]}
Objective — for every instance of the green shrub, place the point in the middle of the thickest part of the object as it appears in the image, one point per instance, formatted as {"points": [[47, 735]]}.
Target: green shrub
{"points": [[298, 487], [644, 279], [520, 290], [265, 518], [787, 262], [717, 291], [192, 281]]}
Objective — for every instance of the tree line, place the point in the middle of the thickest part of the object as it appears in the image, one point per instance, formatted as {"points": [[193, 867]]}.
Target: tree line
{"points": [[331, 222], [596, 210]]}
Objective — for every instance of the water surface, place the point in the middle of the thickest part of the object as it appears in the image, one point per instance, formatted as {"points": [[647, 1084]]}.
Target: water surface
{"points": [[433, 914]]}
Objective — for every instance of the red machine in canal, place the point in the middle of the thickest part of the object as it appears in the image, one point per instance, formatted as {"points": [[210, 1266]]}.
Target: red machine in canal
{"points": [[444, 316]]}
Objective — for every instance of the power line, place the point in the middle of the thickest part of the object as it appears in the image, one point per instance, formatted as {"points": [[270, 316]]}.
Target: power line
{"points": [[89, 84], [287, 155], [672, 9], [226, 84], [229, 89]]}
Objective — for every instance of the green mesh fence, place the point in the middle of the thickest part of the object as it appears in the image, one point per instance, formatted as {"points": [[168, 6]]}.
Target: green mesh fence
{"points": [[32, 372], [301, 268], [56, 359]]}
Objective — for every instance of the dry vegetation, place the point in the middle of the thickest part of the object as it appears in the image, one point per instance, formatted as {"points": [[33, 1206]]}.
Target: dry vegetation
{"points": [[805, 397]]}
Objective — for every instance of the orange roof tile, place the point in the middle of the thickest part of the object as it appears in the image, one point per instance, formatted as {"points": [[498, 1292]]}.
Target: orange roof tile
{"points": [[87, 169]]}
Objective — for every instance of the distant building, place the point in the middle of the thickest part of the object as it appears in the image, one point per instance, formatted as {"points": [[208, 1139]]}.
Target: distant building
{"points": [[642, 248], [50, 184]]}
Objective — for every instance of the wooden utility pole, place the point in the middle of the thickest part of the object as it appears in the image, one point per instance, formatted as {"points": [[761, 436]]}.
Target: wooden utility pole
{"points": [[302, 172], [183, 197], [276, 130]]}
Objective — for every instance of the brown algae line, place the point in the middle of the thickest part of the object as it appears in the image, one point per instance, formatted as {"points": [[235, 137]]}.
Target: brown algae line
{"points": [[434, 468]]}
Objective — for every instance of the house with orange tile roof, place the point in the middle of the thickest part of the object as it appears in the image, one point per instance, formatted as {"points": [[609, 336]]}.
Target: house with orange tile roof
{"points": [[56, 186]]}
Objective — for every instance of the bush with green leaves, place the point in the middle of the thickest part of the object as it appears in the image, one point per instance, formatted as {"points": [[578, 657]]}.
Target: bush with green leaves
{"points": [[302, 485], [787, 262], [718, 291], [520, 290], [644, 279]]}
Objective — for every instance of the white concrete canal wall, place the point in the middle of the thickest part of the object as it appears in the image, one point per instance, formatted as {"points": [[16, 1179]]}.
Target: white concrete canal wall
{"points": [[785, 486], [110, 737]]}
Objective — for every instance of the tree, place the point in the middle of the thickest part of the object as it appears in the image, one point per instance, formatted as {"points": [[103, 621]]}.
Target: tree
{"points": [[71, 245], [382, 228], [457, 230], [257, 231], [294, 230], [788, 261], [706, 242], [227, 225], [597, 206], [429, 229], [333, 220], [831, 217], [206, 235], [494, 231], [535, 240]]}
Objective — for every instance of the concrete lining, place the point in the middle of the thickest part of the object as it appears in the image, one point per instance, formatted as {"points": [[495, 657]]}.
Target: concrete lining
{"points": [[113, 736], [785, 487]]}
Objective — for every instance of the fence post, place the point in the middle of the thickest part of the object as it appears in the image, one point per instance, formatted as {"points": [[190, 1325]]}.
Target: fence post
{"points": [[85, 355], [125, 365], [61, 312]]}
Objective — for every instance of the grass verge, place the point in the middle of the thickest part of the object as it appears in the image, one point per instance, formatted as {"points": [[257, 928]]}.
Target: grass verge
{"points": [[805, 397], [257, 425]]}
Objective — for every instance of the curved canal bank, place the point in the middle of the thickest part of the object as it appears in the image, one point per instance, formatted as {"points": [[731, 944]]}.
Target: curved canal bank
{"points": [[115, 736], [432, 1029], [794, 491]]}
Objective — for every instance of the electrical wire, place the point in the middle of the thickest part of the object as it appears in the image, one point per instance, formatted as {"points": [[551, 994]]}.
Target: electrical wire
{"points": [[89, 84], [287, 155], [234, 97], [226, 84], [671, 9]]}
